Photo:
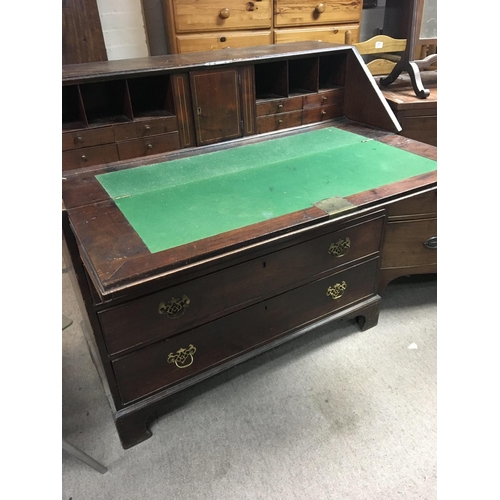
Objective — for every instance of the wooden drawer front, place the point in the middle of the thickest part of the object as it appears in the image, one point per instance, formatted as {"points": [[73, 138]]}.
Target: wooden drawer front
{"points": [[308, 12], [145, 128], [319, 114], [148, 146], [210, 15], [162, 364], [86, 138], [324, 98], [404, 244], [222, 292], [216, 41], [332, 34], [273, 106], [86, 157], [422, 204], [278, 121]]}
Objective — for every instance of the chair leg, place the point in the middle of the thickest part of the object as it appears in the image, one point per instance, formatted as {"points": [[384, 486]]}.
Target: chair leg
{"points": [[76, 452]]}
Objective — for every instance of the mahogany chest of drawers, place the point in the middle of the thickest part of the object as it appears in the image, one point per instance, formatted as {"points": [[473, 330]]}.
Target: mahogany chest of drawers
{"points": [[159, 320]]}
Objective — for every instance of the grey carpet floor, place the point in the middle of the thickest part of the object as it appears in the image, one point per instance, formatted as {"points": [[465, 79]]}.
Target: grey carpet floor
{"points": [[335, 414]]}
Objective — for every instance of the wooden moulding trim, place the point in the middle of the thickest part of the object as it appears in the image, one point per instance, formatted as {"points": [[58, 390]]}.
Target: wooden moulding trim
{"points": [[113, 273]]}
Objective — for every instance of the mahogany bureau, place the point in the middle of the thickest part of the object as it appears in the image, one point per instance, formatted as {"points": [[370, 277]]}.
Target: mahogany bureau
{"points": [[263, 219]]}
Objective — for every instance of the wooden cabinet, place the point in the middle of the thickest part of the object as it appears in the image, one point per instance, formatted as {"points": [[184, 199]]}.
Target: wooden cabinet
{"points": [[282, 198], [195, 25]]}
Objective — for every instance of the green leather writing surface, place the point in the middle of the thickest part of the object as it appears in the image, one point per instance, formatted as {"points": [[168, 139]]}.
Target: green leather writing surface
{"points": [[181, 201]]}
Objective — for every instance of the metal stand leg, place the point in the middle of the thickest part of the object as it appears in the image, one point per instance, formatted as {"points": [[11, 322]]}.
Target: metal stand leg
{"points": [[73, 450]]}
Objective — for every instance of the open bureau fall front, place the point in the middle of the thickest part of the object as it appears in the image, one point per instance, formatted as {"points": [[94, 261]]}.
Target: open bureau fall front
{"points": [[218, 204]]}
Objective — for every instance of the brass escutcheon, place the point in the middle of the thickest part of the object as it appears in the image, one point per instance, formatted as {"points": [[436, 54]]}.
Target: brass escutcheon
{"points": [[340, 248], [175, 307], [336, 291], [183, 357]]}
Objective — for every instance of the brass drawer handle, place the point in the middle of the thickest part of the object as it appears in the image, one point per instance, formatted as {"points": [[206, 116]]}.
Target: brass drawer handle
{"points": [[224, 13], [175, 307], [84, 158], [336, 291], [147, 128], [431, 243], [280, 106], [150, 146], [320, 8], [183, 357], [340, 248]]}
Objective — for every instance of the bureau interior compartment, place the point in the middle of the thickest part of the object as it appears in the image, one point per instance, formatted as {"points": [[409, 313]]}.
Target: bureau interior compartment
{"points": [[73, 112], [303, 76], [271, 80], [106, 102], [332, 71], [151, 96]]}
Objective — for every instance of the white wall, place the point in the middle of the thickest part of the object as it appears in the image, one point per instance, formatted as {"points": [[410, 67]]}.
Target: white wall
{"points": [[123, 28]]}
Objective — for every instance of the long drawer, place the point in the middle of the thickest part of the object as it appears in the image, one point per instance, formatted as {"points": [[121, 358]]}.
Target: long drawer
{"points": [[145, 128], [165, 363], [148, 145], [178, 308]]}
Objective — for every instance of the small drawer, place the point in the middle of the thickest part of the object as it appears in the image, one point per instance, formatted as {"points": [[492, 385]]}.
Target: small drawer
{"points": [[414, 206], [165, 363], [145, 128], [148, 146], [278, 121], [217, 41], [314, 12], [410, 243], [324, 98], [178, 308], [221, 15], [98, 155], [273, 106], [86, 138], [330, 34], [319, 114]]}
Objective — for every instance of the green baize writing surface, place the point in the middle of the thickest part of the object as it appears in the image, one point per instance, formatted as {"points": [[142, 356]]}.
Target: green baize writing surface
{"points": [[181, 201]]}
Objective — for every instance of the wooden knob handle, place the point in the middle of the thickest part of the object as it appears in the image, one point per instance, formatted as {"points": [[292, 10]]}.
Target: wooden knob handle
{"points": [[320, 8], [224, 13]]}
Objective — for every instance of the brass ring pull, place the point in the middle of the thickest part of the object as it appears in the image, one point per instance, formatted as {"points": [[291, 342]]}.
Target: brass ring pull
{"points": [[175, 307], [320, 8], [224, 13], [336, 291], [183, 357], [340, 248], [431, 243]]}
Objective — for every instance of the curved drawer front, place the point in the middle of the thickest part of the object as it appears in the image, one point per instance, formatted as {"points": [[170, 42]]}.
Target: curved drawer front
{"points": [[165, 363], [210, 15], [176, 309], [314, 12], [410, 243]]}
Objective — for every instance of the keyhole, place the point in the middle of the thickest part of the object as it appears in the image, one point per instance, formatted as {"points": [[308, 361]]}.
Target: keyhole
{"points": [[263, 264], [199, 111], [222, 38]]}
